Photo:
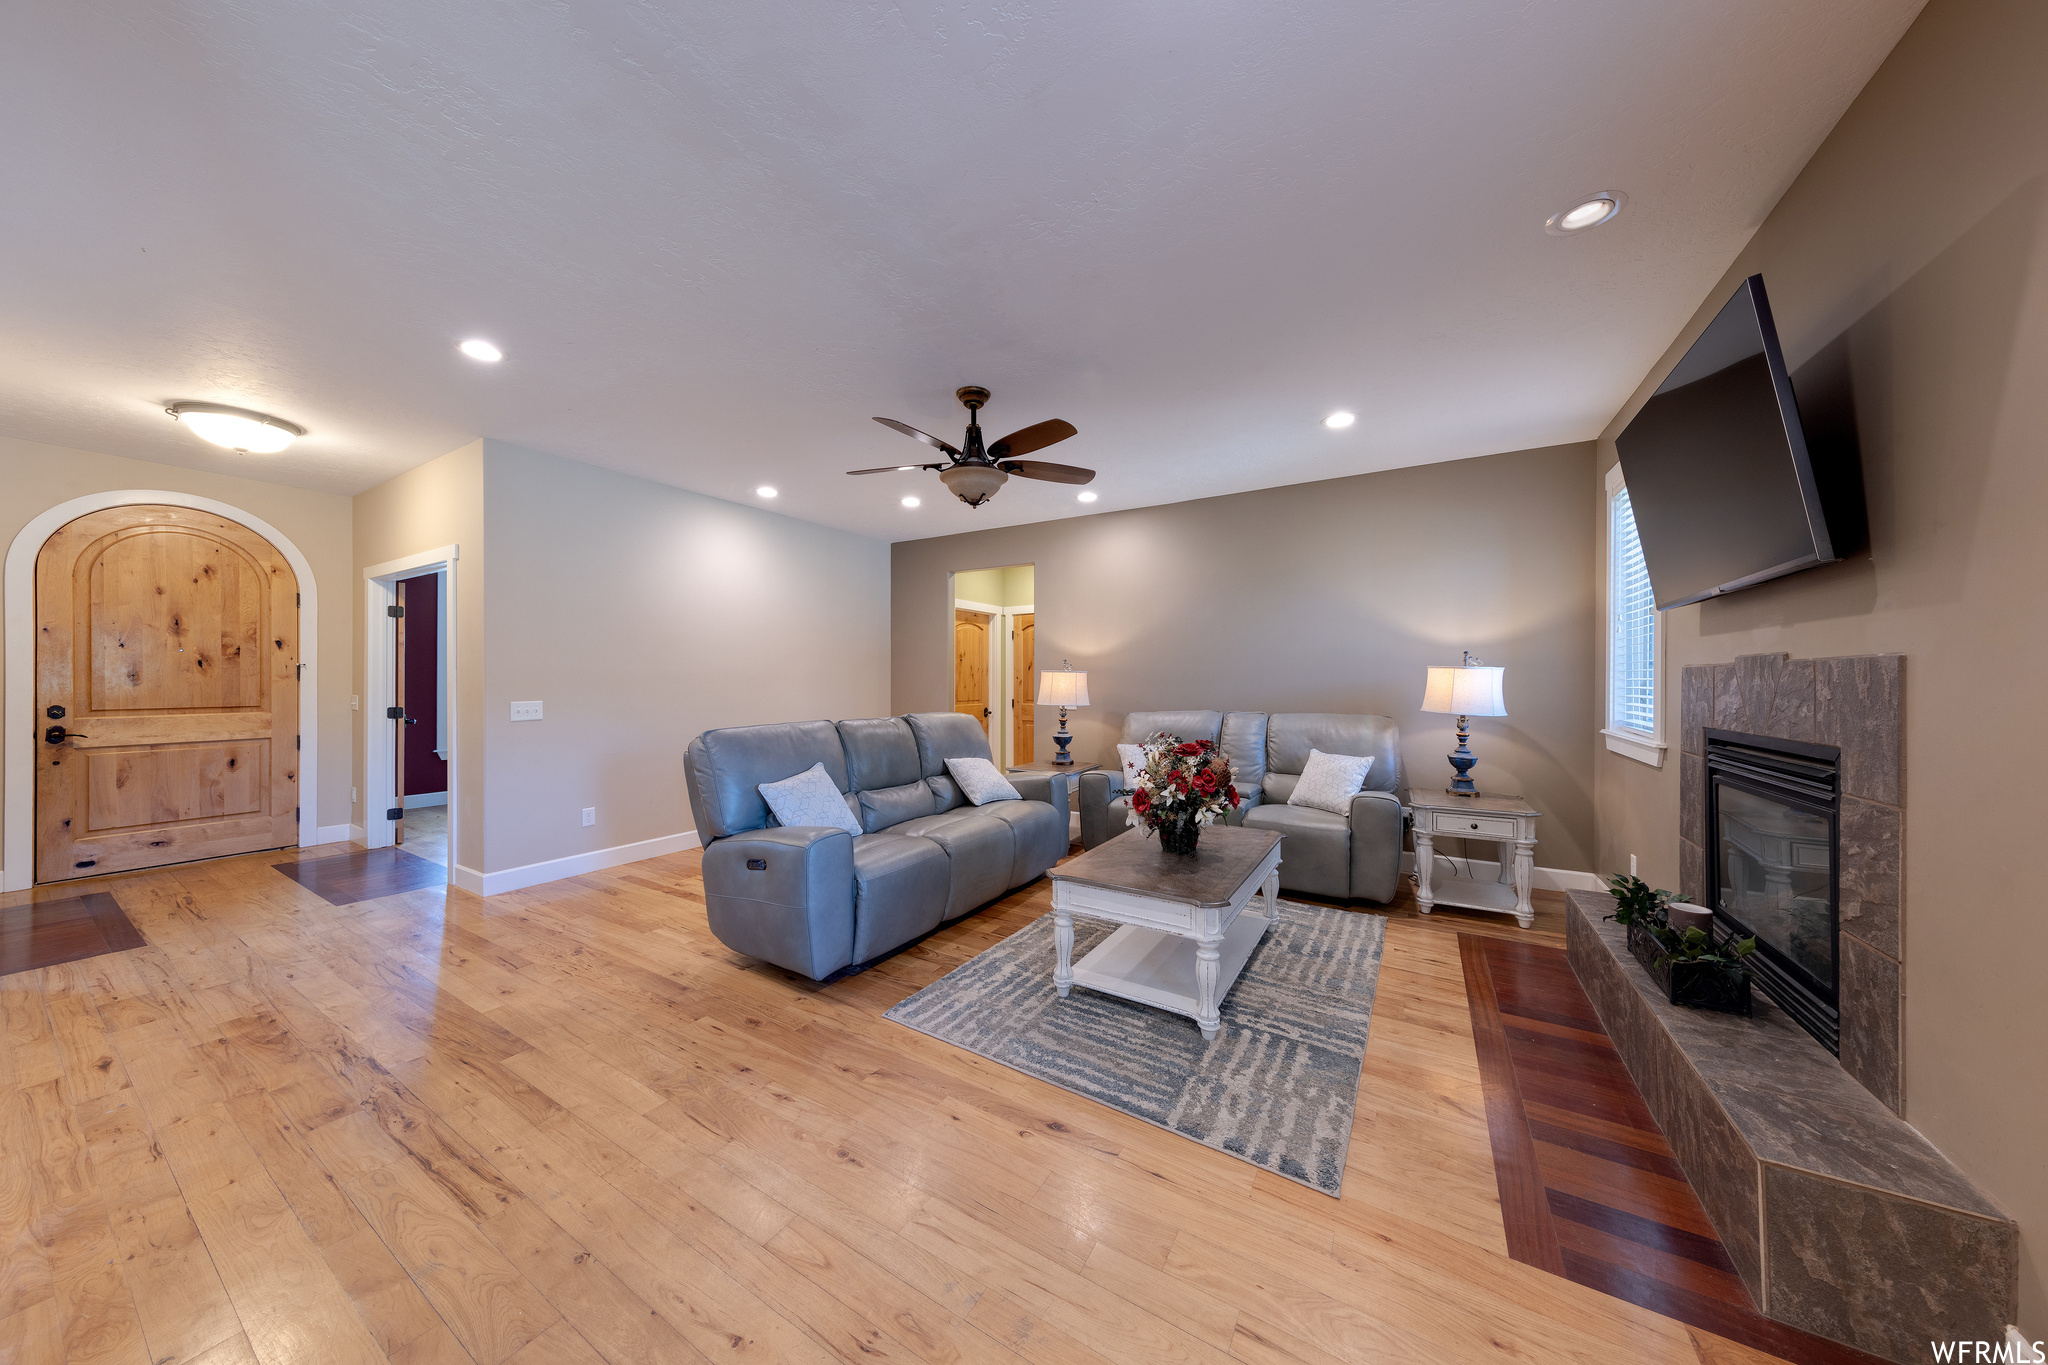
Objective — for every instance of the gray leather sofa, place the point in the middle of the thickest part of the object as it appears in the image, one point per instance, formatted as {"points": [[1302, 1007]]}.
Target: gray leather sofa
{"points": [[1346, 857], [816, 899]]}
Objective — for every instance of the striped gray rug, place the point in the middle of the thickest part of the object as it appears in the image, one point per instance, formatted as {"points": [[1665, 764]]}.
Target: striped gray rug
{"points": [[1277, 1087]]}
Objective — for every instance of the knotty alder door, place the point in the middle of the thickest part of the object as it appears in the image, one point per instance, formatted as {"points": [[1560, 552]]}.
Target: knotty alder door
{"points": [[970, 664], [167, 699], [1023, 663]]}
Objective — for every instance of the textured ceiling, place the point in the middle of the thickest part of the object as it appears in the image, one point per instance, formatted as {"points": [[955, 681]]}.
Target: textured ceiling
{"points": [[715, 238]]}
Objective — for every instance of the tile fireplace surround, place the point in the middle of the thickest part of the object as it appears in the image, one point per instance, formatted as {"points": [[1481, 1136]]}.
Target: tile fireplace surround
{"points": [[1840, 1218], [1853, 703]]}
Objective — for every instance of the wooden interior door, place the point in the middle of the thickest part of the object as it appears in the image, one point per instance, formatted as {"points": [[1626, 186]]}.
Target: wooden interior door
{"points": [[167, 699], [1023, 708], [970, 664]]}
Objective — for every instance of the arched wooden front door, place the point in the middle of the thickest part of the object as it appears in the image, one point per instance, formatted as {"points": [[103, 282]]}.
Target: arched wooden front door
{"points": [[167, 700]]}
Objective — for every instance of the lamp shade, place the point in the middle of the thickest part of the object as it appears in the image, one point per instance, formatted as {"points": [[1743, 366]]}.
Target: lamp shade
{"points": [[1465, 692], [1062, 688]]}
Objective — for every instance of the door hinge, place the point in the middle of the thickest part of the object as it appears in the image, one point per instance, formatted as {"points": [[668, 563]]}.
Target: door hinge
{"points": [[302, 673], [394, 713], [395, 813], [394, 611], [295, 814], [298, 599], [296, 741]]}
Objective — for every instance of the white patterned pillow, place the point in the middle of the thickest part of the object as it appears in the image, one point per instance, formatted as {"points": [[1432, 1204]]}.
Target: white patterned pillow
{"points": [[809, 798], [1133, 758], [980, 782], [1329, 781]]}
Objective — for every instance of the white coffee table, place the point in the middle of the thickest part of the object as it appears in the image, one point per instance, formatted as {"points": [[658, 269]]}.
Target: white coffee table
{"points": [[1188, 926]]}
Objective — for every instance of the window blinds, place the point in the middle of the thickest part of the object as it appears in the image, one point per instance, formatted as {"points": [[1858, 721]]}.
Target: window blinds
{"points": [[1632, 646]]}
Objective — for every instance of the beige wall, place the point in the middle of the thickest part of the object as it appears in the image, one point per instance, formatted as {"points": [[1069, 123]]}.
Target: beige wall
{"points": [[1910, 261], [37, 477], [1008, 587], [640, 615], [439, 503], [1330, 596]]}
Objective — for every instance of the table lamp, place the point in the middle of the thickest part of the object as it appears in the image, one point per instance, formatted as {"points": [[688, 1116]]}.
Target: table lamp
{"points": [[1063, 689], [1467, 690]]}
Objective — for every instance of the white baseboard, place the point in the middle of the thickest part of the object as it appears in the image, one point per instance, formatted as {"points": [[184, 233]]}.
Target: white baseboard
{"points": [[335, 834], [418, 799], [1540, 878], [533, 874], [358, 835]]}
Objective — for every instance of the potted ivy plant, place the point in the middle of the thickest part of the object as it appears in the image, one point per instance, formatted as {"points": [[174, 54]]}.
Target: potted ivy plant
{"points": [[1688, 966]]}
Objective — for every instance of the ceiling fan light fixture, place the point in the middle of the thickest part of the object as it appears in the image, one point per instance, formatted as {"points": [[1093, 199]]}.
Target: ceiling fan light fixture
{"points": [[252, 433], [973, 484]]}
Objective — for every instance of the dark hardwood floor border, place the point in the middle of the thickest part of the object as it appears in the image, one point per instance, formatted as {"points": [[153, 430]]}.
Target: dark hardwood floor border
{"points": [[46, 933], [347, 878]]}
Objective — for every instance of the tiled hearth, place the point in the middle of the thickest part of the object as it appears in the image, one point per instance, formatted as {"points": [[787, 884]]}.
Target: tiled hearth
{"points": [[1856, 704]]}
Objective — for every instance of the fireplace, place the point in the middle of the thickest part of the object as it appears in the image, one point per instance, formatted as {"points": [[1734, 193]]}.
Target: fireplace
{"points": [[1773, 825]]}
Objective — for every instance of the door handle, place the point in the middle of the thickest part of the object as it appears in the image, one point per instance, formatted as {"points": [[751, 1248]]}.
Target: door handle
{"points": [[415, 720], [986, 712], [57, 734]]}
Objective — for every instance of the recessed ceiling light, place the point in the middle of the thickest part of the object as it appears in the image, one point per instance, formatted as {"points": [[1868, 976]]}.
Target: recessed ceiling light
{"points": [[913, 502], [905, 468], [477, 349], [766, 490], [1337, 421], [1588, 212], [1084, 497], [253, 433]]}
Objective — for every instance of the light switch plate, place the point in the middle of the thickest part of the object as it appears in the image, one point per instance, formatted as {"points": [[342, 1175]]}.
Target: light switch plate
{"points": [[590, 815], [526, 710]]}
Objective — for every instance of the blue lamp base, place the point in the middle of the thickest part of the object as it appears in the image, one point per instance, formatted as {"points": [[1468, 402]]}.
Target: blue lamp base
{"points": [[1063, 739], [1462, 761]]}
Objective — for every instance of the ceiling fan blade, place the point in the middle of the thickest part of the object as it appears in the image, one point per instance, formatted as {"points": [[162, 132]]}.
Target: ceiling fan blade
{"points": [[1045, 469], [913, 432], [1036, 437], [895, 468]]}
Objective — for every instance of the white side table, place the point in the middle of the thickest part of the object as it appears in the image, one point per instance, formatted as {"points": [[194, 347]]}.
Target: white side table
{"points": [[1502, 820]]}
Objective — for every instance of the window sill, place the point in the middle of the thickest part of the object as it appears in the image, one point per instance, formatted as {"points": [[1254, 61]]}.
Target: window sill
{"points": [[1638, 747]]}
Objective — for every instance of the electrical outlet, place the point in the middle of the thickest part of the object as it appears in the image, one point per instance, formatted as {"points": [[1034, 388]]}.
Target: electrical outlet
{"points": [[1631, 864], [590, 815], [355, 703], [526, 710], [351, 796]]}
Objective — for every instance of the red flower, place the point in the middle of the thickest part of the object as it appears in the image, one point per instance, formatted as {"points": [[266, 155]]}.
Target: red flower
{"points": [[1140, 802], [1233, 796], [1191, 748], [1205, 782]]}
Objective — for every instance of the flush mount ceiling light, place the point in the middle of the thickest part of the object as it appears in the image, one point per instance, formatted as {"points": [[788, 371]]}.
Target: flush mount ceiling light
{"points": [[1589, 212], [253, 433], [477, 349], [1088, 496], [765, 491], [1337, 421]]}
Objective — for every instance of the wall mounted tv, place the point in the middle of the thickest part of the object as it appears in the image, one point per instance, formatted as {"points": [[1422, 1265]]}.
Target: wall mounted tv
{"points": [[1723, 489]]}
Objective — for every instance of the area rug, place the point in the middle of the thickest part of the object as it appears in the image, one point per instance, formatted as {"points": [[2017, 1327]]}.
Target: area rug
{"points": [[1277, 1087]]}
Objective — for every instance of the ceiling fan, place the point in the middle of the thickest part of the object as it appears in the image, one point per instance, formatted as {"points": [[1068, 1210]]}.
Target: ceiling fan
{"points": [[974, 474]]}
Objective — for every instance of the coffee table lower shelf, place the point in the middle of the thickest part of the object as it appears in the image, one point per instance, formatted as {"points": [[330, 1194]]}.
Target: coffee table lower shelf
{"points": [[1156, 968]]}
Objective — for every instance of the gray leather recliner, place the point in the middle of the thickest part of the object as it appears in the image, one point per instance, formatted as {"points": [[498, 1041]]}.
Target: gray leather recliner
{"points": [[1356, 856], [816, 899]]}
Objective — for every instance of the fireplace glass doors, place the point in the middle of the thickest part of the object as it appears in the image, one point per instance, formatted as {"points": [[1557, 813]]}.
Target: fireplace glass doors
{"points": [[1771, 834]]}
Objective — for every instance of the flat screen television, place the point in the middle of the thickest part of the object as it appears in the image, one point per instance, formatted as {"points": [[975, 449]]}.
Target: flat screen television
{"points": [[1719, 478]]}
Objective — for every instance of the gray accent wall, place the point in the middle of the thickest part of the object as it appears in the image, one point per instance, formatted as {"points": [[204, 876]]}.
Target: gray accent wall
{"points": [[1908, 271], [1327, 596]]}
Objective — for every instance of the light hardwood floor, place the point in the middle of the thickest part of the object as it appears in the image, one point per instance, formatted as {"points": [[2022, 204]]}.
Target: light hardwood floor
{"points": [[566, 1125]]}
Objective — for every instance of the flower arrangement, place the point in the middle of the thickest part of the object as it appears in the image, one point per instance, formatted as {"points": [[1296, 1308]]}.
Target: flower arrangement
{"points": [[1185, 785]]}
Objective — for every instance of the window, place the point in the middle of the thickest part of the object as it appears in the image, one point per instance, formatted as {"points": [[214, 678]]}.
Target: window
{"points": [[1634, 637]]}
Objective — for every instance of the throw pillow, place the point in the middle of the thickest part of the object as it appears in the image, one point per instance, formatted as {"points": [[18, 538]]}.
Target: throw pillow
{"points": [[809, 798], [1329, 781], [1133, 758], [980, 782]]}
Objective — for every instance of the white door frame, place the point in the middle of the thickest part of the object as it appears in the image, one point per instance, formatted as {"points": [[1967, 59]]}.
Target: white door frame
{"points": [[380, 690], [18, 593]]}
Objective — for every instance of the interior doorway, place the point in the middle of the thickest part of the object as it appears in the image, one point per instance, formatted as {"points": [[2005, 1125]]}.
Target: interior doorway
{"points": [[995, 627], [412, 773], [421, 742]]}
